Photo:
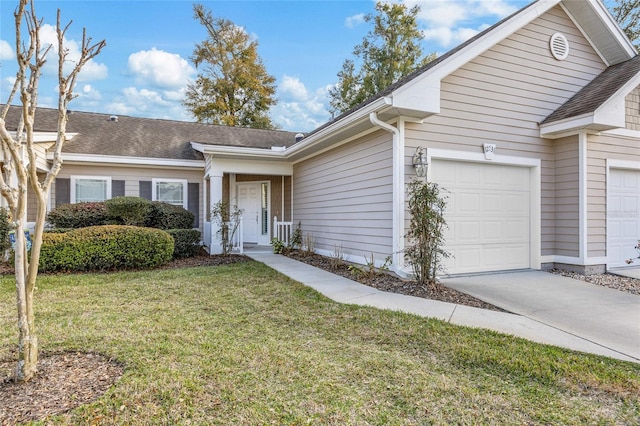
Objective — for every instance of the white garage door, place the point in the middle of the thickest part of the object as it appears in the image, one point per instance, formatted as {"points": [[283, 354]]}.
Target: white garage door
{"points": [[488, 215], [623, 211]]}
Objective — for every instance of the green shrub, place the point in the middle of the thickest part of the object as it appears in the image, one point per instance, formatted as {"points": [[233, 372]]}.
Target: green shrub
{"points": [[57, 230], [186, 242], [79, 215], [5, 227], [101, 248], [134, 211], [167, 216], [138, 211]]}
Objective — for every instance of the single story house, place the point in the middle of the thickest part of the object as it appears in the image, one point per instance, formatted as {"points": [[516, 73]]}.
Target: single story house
{"points": [[532, 127]]}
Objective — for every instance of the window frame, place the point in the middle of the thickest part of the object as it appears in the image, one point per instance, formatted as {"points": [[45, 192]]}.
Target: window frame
{"points": [[75, 178], [185, 190]]}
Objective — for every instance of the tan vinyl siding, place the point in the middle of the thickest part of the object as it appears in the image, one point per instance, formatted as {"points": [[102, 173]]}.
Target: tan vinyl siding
{"points": [[500, 97], [32, 201], [344, 197], [566, 207], [132, 177], [632, 110], [601, 148]]}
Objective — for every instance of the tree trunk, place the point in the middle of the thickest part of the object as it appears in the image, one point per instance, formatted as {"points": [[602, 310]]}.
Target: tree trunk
{"points": [[27, 339]]}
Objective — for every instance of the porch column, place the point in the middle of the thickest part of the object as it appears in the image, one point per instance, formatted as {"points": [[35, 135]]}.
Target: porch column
{"points": [[215, 196]]}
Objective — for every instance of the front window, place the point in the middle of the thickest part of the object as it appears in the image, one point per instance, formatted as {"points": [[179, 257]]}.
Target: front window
{"points": [[172, 191], [90, 189], [264, 201]]}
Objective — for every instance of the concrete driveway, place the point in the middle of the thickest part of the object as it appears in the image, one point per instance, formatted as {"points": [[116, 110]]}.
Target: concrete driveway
{"points": [[606, 317]]}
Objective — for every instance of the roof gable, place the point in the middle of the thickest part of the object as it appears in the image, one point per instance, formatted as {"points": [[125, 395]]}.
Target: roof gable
{"points": [[418, 94], [599, 106]]}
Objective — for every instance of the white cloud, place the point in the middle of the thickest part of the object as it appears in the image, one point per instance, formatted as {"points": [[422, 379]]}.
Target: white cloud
{"points": [[92, 70], [160, 68], [447, 37], [298, 109], [293, 86], [148, 103], [6, 52], [354, 20], [451, 22]]}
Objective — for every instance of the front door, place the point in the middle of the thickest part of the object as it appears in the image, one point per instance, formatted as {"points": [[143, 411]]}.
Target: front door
{"points": [[252, 202]]}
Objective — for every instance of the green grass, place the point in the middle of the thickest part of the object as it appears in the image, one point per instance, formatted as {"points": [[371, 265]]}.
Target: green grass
{"points": [[244, 345]]}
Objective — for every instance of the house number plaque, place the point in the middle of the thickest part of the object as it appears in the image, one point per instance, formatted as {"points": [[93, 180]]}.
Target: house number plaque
{"points": [[489, 150]]}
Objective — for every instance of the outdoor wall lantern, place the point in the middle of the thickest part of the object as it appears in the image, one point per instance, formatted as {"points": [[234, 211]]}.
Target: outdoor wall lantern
{"points": [[420, 162]]}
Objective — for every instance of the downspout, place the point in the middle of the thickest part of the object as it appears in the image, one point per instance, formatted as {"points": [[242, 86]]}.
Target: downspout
{"points": [[397, 254]]}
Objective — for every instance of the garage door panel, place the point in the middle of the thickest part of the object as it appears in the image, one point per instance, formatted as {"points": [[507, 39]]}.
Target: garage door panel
{"points": [[623, 216], [486, 257], [488, 211]]}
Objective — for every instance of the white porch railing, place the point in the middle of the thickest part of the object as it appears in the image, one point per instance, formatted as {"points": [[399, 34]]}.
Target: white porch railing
{"points": [[282, 230], [237, 240]]}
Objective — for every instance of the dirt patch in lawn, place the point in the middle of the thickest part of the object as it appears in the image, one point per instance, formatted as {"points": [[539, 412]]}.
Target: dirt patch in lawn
{"points": [[64, 381]]}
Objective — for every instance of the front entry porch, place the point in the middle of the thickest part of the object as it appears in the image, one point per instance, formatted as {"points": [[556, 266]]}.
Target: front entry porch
{"points": [[260, 198]]}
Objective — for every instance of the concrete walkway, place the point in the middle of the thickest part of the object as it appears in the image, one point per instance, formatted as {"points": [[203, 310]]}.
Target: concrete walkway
{"points": [[608, 317], [348, 291]]}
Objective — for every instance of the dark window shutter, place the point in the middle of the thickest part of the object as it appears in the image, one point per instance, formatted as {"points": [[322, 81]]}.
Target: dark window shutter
{"points": [[145, 189], [194, 202], [117, 188], [63, 191]]}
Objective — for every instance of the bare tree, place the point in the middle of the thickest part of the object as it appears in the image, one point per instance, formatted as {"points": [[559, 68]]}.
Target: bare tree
{"points": [[19, 175]]}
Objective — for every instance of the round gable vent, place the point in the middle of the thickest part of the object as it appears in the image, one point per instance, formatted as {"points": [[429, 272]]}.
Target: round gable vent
{"points": [[559, 46]]}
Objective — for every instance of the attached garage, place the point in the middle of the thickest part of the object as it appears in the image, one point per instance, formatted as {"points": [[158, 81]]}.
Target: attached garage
{"points": [[488, 215], [623, 217]]}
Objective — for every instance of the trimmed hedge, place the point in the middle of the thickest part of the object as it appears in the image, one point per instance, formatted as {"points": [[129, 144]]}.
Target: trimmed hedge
{"points": [[79, 215], [137, 211], [186, 242], [134, 211], [167, 216], [102, 248]]}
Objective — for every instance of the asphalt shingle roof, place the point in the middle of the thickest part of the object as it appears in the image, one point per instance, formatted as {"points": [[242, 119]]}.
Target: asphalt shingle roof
{"points": [[146, 137], [596, 93]]}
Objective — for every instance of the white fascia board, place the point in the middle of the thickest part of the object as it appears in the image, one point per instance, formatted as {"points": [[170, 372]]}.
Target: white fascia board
{"points": [[73, 158], [221, 165], [422, 96], [237, 151], [564, 127], [613, 27], [310, 141], [485, 42]]}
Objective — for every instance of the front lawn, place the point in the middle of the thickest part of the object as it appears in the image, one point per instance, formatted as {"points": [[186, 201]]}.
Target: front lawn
{"points": [[244, 345]]}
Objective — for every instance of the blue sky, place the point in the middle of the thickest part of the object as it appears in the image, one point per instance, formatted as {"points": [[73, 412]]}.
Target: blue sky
{"points": [[145, 67]]}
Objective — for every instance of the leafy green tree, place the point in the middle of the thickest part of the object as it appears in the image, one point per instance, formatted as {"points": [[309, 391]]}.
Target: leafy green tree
{"points": [[233, 88], [627, 13], [390, 51]]}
